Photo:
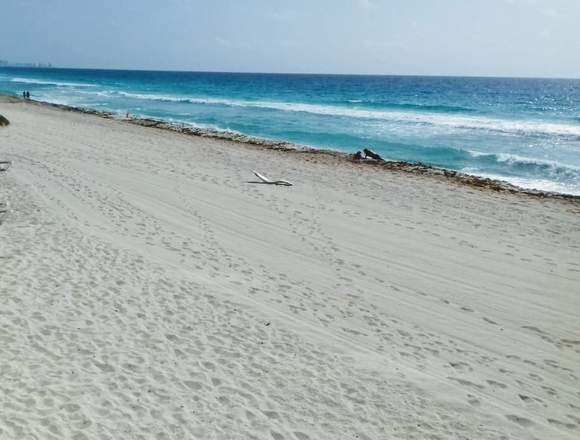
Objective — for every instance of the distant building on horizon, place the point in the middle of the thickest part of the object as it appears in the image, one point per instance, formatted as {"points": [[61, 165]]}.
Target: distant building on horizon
{"points": [[4, 63]]}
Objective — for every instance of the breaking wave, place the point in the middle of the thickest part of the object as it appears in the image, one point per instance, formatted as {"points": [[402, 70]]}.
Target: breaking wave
{"points": [[50, 83], [453, 122]]}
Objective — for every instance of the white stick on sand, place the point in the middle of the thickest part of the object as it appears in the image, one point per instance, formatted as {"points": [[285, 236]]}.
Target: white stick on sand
{"points": [[264, 179]]}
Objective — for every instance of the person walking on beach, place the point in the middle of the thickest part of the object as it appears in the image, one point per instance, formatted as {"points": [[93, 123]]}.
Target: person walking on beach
{"points": [[23, 95], [27, 95]]}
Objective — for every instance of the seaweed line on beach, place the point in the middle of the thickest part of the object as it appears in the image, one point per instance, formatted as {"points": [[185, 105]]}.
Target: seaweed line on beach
{"points": [[416, 168]]}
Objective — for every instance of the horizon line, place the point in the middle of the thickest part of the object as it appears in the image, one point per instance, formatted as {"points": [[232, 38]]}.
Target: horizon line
{"points": [[411, 75]]}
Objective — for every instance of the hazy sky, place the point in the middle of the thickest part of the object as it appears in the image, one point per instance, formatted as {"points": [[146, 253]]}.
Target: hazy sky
{"points": [[449, 37]]}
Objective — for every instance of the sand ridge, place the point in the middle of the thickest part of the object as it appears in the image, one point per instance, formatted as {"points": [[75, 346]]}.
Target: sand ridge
{"points": [[149, 291]]}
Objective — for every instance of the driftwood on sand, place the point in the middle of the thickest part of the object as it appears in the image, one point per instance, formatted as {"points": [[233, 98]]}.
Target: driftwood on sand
{"points": [[4, 165], [264, 179], [3, 121]]}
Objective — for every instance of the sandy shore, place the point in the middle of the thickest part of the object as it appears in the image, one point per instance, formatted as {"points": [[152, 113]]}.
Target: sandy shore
{"points": [[149, 291]]}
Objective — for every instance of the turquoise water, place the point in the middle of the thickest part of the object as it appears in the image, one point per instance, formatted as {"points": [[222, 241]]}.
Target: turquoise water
{"points": [[525, 131]]}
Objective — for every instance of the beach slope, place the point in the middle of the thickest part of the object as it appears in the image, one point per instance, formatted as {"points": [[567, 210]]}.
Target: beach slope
{"points": [[149, 288]]}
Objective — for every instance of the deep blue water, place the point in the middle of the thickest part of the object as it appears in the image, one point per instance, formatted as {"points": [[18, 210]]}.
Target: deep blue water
{"points": [[525, 131]]}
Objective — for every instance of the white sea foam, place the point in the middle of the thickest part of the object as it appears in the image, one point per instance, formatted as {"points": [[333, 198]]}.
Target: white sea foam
{"points": [[453, 122], [50, 83], [517, 160], [53, 98], [528, 183]]}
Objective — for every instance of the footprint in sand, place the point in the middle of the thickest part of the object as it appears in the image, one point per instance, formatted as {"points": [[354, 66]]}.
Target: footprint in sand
{"points": [[466, 383], [461, 366], [562, 424], [519, 420], [495, 384], [472, 400]]}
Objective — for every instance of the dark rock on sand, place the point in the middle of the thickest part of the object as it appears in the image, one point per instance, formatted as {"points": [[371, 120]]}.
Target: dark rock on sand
{"points": [[369, 154], [3, 121]]}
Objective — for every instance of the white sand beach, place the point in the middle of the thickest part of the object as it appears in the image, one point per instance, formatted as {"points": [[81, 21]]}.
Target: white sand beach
{"points": [[148, 290]]}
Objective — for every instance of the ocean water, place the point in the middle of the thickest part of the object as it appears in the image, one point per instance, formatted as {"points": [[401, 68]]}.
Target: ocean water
{"points": [[524, 131]]}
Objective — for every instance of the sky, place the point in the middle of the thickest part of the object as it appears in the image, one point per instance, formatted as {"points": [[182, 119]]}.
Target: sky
{"points": [[538, 38]]}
